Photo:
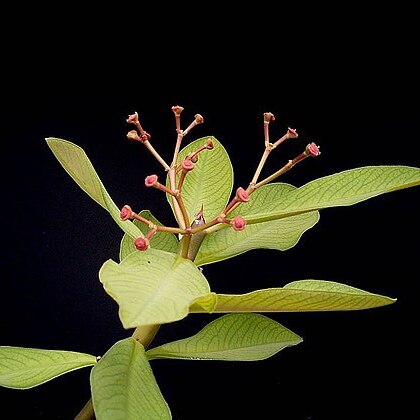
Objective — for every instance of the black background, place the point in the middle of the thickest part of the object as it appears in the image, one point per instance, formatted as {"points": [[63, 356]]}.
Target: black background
{"points": [[361, 107]]}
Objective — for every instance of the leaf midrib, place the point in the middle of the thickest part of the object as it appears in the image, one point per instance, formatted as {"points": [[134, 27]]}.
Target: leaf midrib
{"points": [[234, 349]]}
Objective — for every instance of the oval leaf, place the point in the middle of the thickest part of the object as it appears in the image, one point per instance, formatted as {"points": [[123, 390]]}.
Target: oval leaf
{"points": [[161, 240], [280, 234], [299, 296], [123, 385], [76, 163], [210, 183], [239, 337], [341, 189], [23, 368], [153, 287]]}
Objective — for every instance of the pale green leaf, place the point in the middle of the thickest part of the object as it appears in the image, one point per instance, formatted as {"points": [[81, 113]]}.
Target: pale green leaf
{"points": [[238, 337], [299, 296], [210, 183], [23, 368], [161, 240], [276, 234], [124, 387], [76, 163], [153, 287], [341, 189]]}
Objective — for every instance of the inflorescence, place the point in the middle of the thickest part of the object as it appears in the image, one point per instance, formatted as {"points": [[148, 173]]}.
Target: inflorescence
{"points": [[178, 171]]}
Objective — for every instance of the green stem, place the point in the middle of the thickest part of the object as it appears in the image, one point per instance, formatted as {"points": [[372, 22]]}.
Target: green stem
{"points": [[144, 335]]}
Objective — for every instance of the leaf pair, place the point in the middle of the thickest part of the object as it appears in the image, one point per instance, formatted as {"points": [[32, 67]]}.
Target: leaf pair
{"points": [[122, 382], [157, 287]]}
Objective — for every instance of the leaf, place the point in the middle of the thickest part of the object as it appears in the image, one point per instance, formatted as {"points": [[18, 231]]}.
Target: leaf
{"points": [[341, 189], [124, 387], [153, 287], [75, 162], [276, 234], [238, 337], [300, 296], [210, 183], [161, 240], [23, 368]]}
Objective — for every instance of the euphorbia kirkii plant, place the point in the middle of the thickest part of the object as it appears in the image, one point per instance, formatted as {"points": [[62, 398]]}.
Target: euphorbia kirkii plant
{"points": [[158, 279]]}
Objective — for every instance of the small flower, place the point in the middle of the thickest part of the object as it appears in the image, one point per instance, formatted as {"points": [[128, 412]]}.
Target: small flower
{"points": [[238, 223], [132, 135], [145, 136], [198, 119], [209, 144], [268, 116], [142, 244], [151, 180], [126, 213], [292, 133], [133, 118], [242, 195], [177, 109], [187, 165], [312, 150]]}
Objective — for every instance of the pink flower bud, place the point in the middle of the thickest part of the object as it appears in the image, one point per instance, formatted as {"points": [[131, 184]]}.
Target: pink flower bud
{"points": [[145, 136], [141, 244], [209, 144], [268, 116], [198, 119], [133, 118], [292, 133], [242, 195], [126, 213], [132, 135], [312, 150], [187, 165], [151, 180], [238, 223], [177, 109]]}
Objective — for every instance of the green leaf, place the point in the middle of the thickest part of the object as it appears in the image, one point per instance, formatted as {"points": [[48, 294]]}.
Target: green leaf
{"points": [[210, 183], [341, 189], [277, 234], [23, 368], [161, 240], [124, 387], [237, 337], [153, 287], [75, 162], [299, 296]]}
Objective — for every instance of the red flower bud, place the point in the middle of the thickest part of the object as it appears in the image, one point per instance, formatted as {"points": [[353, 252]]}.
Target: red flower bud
{"points": [[133, 118], [132, 135], [187, 165], [209, 144], [198, 119], [151, 180], [238, 223], [145, 136], [177, 109], [242, 195], [141, 244], [292, 133], [126, 213], [268, 116], [312, 150]]}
